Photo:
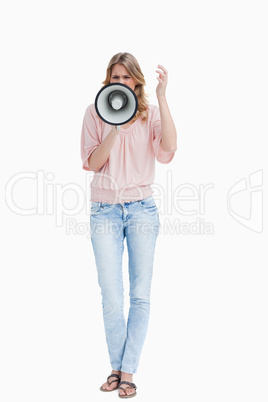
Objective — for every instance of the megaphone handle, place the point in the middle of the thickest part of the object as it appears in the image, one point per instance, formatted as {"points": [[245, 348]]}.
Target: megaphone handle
{"points": [[117, 128]]}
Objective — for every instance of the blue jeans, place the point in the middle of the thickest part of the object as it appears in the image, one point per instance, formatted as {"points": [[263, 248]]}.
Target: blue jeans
{"points": [[138, 221]]}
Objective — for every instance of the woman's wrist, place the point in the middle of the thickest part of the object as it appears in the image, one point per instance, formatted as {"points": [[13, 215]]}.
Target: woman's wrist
{"points": [[161, 98]]}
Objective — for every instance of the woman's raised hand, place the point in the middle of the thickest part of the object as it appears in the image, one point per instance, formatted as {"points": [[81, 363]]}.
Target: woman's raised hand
{"points": [[162, 81]]}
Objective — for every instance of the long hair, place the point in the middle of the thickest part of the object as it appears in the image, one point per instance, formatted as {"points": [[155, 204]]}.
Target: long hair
{"points": [[133, 68]]}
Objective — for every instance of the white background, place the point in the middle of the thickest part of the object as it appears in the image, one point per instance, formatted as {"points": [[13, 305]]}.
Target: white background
{"points": [[207, 338]]}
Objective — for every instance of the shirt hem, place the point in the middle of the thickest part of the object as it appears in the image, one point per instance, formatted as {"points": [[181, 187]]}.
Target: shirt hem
{"points": [[120, 196]]}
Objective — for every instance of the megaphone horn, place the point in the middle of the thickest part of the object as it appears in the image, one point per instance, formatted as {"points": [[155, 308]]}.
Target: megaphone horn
{"points": [[117, 99], [116, 104]]}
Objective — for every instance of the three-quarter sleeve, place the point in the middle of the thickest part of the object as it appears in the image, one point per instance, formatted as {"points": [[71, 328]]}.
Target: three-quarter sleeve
{"points": [[89, 136], [161, 155]]}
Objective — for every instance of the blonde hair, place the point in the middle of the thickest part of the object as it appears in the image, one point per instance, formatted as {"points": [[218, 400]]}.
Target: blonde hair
{"points": [[133, 68]]}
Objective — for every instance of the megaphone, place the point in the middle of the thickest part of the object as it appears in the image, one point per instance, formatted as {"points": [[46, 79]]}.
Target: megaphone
{"points": [[116, 104]]}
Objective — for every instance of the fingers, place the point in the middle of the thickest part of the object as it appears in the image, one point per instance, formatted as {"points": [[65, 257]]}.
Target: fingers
{"points": [[163, 74], [162, 68]]}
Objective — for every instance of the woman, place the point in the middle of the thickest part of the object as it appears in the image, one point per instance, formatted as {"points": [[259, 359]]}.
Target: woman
{"points": [[122, 206]]}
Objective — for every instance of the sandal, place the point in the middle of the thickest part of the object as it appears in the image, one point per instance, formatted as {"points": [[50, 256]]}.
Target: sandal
{"points": [[109, 383], [131, 385]]}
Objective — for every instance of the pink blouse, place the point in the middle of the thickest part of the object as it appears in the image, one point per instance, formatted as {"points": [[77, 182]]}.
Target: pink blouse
{"points": [[129, 171]]}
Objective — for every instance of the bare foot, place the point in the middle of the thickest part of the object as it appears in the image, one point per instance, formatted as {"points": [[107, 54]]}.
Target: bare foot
{"points": [[113, 385], [126, 390]]}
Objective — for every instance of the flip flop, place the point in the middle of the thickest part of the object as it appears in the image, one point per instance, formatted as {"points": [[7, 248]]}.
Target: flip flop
{"points": [[109, 383], [130, 385]]}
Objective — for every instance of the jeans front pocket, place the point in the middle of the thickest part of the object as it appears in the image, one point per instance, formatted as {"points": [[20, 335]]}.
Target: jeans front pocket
{"points": [[149, 205], [106, 207], [95, 208]]}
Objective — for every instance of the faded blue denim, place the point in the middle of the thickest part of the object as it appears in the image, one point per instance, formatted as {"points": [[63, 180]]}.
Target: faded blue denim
{"points": [[138, 221]]}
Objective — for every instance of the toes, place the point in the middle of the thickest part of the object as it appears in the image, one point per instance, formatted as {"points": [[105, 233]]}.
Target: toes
{"points": [[127, 392]]}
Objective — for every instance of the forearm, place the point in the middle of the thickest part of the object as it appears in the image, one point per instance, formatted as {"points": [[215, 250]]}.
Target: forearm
{"points": [[168, 129], [100, 155]]}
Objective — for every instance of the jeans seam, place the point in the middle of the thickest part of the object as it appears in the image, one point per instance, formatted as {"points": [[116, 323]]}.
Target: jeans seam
{"points": [[122, 289]]}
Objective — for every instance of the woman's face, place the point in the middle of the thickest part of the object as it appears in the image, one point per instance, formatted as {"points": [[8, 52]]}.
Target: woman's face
{"points": [[121, 75]]}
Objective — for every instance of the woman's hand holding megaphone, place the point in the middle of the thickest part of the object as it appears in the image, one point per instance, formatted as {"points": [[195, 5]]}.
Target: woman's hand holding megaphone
{"points": [[115, 129]]}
